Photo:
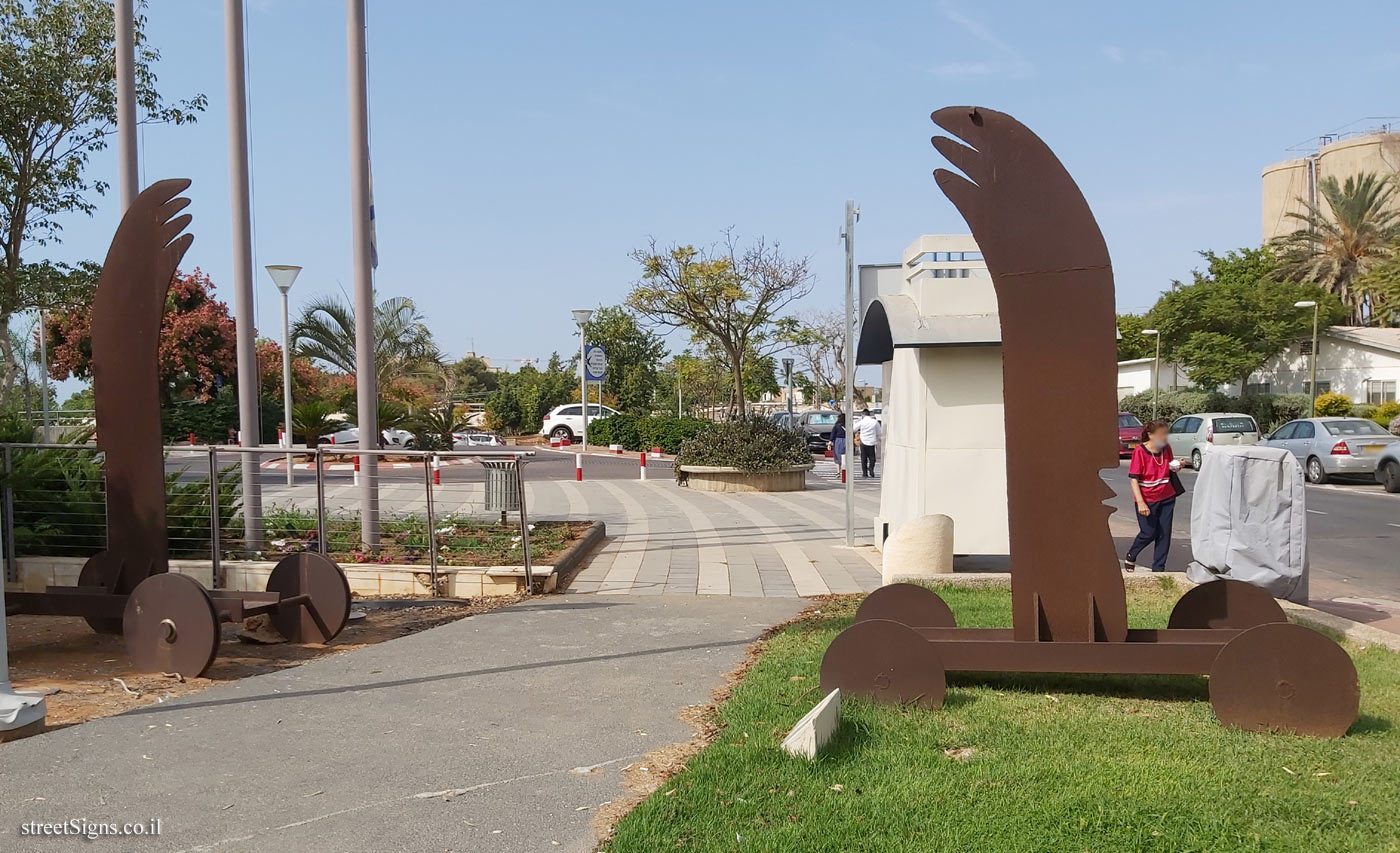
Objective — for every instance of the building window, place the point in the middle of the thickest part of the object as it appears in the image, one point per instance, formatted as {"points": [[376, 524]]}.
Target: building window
{"points": [[1322, 387], [1258, 387], [1379, 391], [1305, 348]]}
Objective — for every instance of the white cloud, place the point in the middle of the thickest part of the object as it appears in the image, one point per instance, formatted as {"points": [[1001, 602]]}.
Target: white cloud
{"points": [[1112, 53], [1004, 59]]}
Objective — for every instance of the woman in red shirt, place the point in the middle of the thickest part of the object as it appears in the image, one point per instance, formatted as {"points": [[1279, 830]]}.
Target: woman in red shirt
{"points": [[1155, 488]]}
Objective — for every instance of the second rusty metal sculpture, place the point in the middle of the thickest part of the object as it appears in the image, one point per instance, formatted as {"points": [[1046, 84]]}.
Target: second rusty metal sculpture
{"points": [[1054, 286], [170, 622]]}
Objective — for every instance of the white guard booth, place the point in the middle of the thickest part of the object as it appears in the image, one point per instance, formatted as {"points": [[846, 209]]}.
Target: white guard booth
{"points": [[1249, 521]]}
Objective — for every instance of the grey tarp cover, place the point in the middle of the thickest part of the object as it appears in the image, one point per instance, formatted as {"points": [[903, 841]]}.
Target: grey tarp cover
{"points": [[1249, 522]]}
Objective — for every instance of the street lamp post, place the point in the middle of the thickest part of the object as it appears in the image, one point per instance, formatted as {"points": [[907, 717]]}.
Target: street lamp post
{"points": [[1312, 367], [1156, 368], [283, 276], [581, 316], [787, 371]]}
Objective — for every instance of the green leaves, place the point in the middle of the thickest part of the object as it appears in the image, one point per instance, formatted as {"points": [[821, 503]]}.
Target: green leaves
{"points": [[403, 343]]}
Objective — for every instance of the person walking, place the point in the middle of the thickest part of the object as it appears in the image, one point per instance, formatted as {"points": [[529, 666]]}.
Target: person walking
{"points": [[871, 432], [1152, 475], [837, 445]]}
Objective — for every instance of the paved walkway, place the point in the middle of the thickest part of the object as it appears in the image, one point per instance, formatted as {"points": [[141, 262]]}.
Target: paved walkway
{"points": [[501, 732]]}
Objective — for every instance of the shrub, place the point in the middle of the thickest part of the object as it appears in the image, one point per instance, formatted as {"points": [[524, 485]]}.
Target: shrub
{"points": [[1332, 405], [311, 420], [1385, 413], [1268, 410], [749, 444], [633, 433]]}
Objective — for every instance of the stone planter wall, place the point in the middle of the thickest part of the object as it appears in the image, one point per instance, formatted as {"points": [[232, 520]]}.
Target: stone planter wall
{"points": [[714, 478]]}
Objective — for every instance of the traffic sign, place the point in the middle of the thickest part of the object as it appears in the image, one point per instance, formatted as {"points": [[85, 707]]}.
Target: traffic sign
{"points": [[595, 362]]}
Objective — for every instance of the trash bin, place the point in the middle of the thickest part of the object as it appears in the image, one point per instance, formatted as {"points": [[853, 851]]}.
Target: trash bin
{"points": [[502, 490]]}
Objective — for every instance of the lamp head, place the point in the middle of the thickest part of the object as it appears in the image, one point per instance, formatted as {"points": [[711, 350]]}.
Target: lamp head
{"points": [[1307, 303], [581, 315], [1150, 332], [283, 275]]}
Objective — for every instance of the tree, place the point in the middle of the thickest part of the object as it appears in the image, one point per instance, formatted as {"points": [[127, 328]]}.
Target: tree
{"points": [[1235, 316], [1380, 285], [1133, 343], [522, 399], [197, 341], [818, 342], [1359, 228], [472, 375], [402, 342], [634, 357], [726, 296], [308, 380], [57, 107]]}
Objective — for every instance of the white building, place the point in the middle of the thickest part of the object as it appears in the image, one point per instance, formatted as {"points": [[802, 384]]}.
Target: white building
{"points": [[932, 323], [1358, 361], [1135, 376]]}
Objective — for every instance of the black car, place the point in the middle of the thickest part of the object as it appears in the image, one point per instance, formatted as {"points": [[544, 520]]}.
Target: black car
{"points": [[817, 427]]}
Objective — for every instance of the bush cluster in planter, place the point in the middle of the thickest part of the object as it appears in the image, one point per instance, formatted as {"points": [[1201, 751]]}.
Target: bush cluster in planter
{"points": [[634, 433], [751, 444]]}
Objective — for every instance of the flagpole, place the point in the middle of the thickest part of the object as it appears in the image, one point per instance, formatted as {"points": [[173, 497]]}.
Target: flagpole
{"points": [[361, 213]]}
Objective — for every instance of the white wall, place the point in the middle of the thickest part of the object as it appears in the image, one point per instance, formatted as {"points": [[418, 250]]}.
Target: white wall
{"points": [[945, 444], [1345, 364], [1136, 376]]}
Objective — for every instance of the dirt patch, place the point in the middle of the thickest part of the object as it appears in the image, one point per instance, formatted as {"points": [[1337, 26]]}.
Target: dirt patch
{"points": [[63, 653], [643, 778]]}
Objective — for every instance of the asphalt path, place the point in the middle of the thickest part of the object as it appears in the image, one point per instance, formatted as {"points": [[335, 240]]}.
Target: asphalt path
{"points": [[1353, 543]]}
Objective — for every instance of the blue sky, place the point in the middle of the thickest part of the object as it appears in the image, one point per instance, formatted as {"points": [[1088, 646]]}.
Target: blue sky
{"points": [[521, 150]]}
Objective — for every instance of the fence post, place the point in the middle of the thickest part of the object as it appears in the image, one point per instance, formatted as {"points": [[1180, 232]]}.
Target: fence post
{"points": [[524, 529], [321, 543], [215, 564], [432, 524], [11, 567]]}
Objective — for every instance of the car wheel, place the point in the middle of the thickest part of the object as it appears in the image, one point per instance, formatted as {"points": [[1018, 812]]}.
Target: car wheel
{"points": [[1316, 473], [1390, 477], [410, 444], [1196, 460], [562, 432]]}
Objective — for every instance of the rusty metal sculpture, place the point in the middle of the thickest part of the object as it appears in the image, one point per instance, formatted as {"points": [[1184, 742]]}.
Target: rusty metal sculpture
{"points": [[1054, 283], [170, 622]]}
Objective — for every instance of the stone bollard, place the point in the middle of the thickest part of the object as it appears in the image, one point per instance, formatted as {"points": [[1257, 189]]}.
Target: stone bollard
{"points": [[922, 547]]}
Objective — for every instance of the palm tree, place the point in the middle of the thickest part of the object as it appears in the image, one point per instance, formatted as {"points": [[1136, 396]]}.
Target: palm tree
{"points": [[1333, 250], [402, 342]]}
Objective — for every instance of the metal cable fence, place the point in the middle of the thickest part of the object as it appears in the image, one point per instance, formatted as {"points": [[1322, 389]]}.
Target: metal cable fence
{"points": [[434, 511]]}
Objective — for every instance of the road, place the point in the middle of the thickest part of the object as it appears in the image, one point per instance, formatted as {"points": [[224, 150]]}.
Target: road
{"points": [[1353, 545]]}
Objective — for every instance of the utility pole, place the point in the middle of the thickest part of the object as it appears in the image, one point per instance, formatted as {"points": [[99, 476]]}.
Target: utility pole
{"points": [[849, 235], [249, 429], [127, 173], [366, 380]]}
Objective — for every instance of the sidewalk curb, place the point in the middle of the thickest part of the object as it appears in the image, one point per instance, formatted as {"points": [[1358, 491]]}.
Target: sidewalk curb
{"points": [[578, 552], [1328, 623]]}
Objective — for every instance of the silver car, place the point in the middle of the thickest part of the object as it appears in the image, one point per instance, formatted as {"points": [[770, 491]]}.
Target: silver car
{"points": [[1388, 468], [1189, 435], [1330, 447]]}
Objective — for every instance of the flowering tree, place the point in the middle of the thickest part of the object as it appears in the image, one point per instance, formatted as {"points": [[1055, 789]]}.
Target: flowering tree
{"points": [[197, 344]]}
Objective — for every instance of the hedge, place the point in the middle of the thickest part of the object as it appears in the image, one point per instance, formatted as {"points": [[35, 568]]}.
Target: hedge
{"points": [[644, 433], [1268, 410], [749, 444]]}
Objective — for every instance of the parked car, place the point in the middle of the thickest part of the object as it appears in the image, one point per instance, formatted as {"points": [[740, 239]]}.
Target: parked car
{"points": [[567, 421], [1189, 435], [1129, 433], [468, 440], [1388, 468], [1330, 447], [816, 424], [351, 435], [781, 418]]}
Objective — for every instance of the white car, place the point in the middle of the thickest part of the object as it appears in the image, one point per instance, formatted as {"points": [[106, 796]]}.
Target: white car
{"points": [[567, 421], [1190, 435], [468, 440], [351, 435]]}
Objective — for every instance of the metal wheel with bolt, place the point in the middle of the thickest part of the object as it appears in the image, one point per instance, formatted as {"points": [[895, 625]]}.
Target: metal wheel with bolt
{"points": [[1316, 473]]}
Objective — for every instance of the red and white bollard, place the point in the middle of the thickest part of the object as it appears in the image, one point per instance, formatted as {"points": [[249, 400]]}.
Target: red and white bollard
{"points": [[357, 469], [656, 453], [437, 471], [554, 441], [578, 467], [643, 457], [616, 449], [192, 441]]}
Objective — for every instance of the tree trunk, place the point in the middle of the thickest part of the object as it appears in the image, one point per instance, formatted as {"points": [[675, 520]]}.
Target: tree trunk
{"points": [[738, 409], [7, 356]]}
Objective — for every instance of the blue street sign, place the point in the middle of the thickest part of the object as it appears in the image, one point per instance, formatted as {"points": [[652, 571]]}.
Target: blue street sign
{"points": [[595, 364]]}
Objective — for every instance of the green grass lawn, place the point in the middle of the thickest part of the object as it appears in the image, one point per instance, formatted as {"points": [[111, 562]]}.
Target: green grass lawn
{"points": [[1025, 763]]}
